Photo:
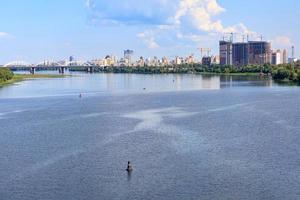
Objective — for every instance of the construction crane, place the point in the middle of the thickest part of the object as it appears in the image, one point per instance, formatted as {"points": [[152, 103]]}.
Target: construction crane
{"points": [[231, 36], [204, 50], [254, 36]]}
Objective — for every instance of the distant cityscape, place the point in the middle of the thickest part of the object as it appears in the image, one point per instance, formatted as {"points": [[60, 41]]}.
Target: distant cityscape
{"points": [[230, 53]]}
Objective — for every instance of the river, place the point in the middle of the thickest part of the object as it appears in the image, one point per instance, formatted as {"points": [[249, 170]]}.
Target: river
{"points": [[187, 136]]}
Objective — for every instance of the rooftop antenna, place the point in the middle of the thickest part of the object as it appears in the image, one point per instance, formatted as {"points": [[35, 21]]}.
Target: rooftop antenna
{"points": [[247, 37], [261, 38], [293, 52]]}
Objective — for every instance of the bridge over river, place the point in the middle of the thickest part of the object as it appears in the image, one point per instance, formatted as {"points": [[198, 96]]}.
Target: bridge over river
{"points": [[24, 66]]}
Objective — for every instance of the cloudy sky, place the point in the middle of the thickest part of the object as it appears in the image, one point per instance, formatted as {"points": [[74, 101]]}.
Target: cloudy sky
{"points": [[35, 30]]}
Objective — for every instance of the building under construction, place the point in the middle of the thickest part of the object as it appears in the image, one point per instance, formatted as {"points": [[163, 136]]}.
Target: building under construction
{"points": [[225, 52], [244, 53]]}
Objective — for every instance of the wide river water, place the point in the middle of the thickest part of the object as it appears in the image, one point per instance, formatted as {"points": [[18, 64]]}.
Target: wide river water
{"points": [[187, 136]]}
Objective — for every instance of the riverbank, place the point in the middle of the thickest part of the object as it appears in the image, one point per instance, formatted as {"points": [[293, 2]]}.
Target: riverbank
{"points": [[284, 72], [21, 77]]}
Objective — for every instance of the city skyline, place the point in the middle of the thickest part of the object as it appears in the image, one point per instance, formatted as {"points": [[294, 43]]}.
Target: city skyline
{"points": [[34, 31]]}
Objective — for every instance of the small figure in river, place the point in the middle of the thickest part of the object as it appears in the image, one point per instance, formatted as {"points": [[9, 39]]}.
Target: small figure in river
{"points": [[129, 167], [80, 95]]}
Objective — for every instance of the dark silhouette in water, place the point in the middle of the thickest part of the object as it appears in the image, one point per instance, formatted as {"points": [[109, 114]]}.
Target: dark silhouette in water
{"points": [[80, 95], [129, 167]]}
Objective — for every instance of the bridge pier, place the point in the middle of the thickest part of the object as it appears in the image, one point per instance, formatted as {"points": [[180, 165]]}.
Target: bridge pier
{"points": [[90, 69], [32, 70], [61, 70]]}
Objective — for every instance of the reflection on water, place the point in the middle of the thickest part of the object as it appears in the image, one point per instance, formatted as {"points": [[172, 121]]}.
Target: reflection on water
{"points": [[156, 83], [125, 83], [129, 174], [233, 81]]}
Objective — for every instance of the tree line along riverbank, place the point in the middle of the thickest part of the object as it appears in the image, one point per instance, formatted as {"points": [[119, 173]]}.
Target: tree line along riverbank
{"points": [[283, 73]]}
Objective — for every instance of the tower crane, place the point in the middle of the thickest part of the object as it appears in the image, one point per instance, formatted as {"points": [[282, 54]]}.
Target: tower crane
{"points": [[204, 50], [231, 36]]}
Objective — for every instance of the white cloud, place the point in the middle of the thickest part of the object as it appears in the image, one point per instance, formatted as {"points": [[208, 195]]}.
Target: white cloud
{"points": [[194, 37], [152, 44], [201, 12], [89, 3], [193, 20], [148, 38], [5, 35], [154, 12], [283, 41], [214, 8]]}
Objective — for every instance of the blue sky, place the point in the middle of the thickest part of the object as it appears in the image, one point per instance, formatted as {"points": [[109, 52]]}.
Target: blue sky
{"points": [[35, 30]]}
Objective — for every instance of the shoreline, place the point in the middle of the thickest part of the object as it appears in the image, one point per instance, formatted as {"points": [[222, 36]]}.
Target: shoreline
{"points": [[23, 77], [196, 73]]}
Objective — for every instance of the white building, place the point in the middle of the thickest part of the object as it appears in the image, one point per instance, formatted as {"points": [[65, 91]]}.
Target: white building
{"points": [[165, 61], [276, 58], [178, 60]]}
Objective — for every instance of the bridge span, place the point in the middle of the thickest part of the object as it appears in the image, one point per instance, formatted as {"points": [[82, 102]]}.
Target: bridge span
{"points": [[21, 65], [60, 69]]}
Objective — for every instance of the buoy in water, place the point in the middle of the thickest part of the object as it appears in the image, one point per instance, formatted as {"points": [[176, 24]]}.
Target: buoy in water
{"points": [[129, 167]]}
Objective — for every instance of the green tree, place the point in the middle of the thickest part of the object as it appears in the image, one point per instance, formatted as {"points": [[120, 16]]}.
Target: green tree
{"points": [[5, 74]]}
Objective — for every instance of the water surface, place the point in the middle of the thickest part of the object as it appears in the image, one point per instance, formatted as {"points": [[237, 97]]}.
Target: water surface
{"points": [[188, 137]]}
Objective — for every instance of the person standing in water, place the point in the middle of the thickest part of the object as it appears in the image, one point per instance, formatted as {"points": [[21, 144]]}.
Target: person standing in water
{"points": [[129, 167]]}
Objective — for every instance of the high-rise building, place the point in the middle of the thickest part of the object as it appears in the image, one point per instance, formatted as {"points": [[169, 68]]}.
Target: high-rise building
{"points": [[178, 61], [259, 52], [141, 62], [240, 54], [292, 59], [206, 60], [155, 61], [107, 61], [71, 60], [128, 56], [225, 53], [276, 58], [189, 59], [165, 61], [284, 56]]}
